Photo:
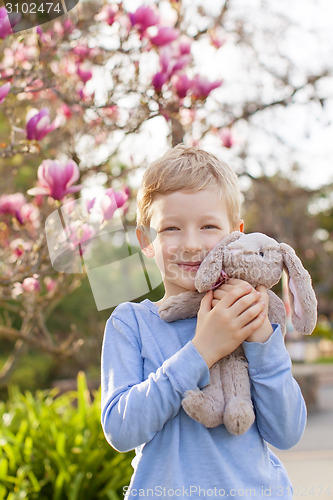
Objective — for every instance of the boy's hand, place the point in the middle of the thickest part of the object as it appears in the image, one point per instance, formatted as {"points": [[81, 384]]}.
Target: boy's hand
{"points": [[227, 317], [265, 330]]}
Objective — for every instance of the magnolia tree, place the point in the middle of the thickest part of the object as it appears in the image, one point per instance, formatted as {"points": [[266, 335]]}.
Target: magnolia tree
{"points": [[73, 94], [145, 67]]}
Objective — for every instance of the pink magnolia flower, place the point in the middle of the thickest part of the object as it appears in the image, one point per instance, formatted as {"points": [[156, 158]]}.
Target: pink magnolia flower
{"points": [[202, 87], [38, 124], [82, 52], [19, 247], [84, 74], [29, 213], [159, 79], [17, 206], [46, 37], [143, 18], [164, 36], [182, 85], [80, 234], [4, 89], [83, 94], [63, 28], [5, 27], [68, 25], [113, 200], [32, 87], [226, 137], [173, 60], [216, 38], [7, 22], [49, 283], [107, 14], [90, 204], [17, 290], [185, 46], [31, 284], [56, 179], [112, 112], [25, 55], [11, 204], [66, 110]]}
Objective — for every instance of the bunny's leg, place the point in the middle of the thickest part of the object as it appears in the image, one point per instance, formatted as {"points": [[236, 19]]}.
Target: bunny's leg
{"points": [[206, 405], [238, 414]]}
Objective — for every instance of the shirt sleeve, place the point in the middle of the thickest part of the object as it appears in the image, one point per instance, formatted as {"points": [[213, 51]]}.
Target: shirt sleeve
{"points": [[134, 409], [278, 401]]}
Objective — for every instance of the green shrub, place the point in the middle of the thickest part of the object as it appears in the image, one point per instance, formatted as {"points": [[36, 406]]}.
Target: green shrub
{"points": [[53, 448], [323, 330]]}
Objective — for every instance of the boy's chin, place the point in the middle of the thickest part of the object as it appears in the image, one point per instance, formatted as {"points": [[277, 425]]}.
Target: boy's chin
{"points": [[189, 286]]}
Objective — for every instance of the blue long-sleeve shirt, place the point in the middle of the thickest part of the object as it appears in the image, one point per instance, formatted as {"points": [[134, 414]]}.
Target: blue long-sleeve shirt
{"points": [[147, 366]]}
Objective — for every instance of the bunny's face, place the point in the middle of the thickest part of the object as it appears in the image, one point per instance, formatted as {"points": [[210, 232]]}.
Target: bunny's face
{"points": [[255, 258]]}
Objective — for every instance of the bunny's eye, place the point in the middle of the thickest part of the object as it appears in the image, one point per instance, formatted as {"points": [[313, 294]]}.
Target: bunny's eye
{"points": [[261, 254]]}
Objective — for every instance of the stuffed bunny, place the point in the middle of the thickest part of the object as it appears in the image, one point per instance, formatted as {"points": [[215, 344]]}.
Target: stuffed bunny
{"points": [[259, 260]]}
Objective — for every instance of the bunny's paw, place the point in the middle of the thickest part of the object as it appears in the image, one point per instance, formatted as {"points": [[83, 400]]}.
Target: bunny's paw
{"points": [[203, 408], [239, 416]]}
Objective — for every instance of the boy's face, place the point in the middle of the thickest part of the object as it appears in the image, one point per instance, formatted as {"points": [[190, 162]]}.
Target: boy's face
{"points": [[186, 226]]}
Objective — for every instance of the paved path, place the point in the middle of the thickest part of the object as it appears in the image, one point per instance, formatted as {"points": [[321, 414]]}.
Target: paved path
{"points": [[310, 462]]}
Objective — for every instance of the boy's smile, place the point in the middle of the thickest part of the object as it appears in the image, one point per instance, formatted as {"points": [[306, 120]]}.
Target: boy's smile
{"points": [[187, 225]]}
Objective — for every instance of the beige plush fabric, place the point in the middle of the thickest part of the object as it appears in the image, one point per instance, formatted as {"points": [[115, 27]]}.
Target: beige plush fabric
{"points": [[259, 260]]}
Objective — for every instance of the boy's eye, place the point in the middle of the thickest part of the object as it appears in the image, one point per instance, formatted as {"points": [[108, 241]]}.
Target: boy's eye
{"points": [[210, 226], [171, 228]]}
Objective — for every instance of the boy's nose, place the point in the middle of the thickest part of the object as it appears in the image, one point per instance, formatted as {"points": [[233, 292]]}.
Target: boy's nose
{"points": [[192, 242]]}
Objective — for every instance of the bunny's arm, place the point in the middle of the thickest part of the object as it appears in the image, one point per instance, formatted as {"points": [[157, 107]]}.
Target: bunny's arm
{"points": [[276, 311], [182, 306], [279, 405]]}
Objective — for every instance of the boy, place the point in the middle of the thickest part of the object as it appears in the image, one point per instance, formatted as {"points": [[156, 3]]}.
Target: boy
{"points": [[188, 201]]}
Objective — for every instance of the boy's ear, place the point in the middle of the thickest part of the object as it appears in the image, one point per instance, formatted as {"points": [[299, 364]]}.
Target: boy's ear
{"points": [[145, 243], [239, 226]]}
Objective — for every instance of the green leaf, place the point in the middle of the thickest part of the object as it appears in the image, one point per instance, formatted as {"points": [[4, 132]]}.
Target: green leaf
{"points": [[53, 448]]}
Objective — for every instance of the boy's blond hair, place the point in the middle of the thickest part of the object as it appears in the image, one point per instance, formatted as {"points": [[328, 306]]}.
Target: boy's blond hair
{"points": [[192, 169]]}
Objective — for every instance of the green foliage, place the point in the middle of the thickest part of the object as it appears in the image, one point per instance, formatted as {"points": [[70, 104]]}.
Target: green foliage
{"points": [[323, 330], [53, 448], [324, 360], [33, 370]]}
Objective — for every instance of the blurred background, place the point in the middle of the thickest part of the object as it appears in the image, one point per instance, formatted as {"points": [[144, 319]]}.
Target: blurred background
{"points": [[87, 100]]}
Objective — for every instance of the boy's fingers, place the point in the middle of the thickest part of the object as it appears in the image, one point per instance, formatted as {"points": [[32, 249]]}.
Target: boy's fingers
{"points": [[222, 290], [235, 281], [263, 292], [247, 302], [206, 301], [231, 284], [235, 294]]}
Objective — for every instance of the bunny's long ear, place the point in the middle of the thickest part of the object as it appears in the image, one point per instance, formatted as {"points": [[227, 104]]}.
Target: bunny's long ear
{"points": [[210, 269], [302, 297]]}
